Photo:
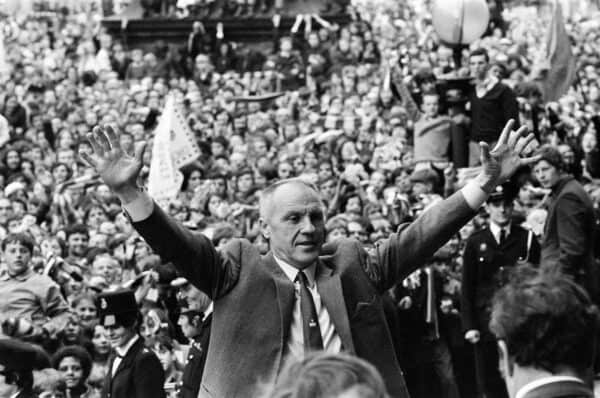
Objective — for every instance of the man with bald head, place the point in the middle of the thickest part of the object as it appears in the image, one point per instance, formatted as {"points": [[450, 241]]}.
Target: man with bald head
{"points": [[302, 295]]}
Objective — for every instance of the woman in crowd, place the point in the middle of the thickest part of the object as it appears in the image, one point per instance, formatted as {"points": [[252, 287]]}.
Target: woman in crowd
{"points": [[74, 364], [100, 354]]}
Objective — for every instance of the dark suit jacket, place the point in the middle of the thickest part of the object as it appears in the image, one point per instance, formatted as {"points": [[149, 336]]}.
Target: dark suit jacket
{"points": [[569, 233], [561, 389], [486, 266], [254, 299], [139, 375], [26, 395], [194, 366]]}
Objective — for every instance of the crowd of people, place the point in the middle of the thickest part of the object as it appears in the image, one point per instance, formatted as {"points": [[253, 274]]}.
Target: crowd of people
{"points": [[372, 114]]}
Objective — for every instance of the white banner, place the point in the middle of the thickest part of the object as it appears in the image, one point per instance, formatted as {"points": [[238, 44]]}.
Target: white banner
{"points": [[174, 146], [184, 148], [164, 180]]}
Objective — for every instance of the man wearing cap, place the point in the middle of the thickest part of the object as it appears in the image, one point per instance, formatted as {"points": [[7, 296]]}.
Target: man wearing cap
{"points": [[569, 229], [133, 370], [302, 295], [195, 320], [489, 255], [17, 362], [32, 306]]}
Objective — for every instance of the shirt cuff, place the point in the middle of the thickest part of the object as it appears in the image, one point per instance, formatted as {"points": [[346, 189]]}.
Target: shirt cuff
{"points": [[474, 195], [140, 208]]}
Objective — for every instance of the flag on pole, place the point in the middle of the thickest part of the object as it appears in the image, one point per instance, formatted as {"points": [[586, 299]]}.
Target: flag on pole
{"points": [[559, 56], [174, 146]]}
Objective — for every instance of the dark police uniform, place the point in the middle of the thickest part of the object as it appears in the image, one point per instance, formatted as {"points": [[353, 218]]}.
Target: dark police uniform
{"points": [[194, 366], [139, 374], [486, 268]]}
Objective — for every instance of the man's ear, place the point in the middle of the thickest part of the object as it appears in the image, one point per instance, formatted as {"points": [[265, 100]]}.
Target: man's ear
{"points": [[196, 321], [264, 228], [506, 365]]}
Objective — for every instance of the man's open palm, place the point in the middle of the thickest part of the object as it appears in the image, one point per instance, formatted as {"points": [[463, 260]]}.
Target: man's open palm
{"points": [[118, 169], [502, 162]]}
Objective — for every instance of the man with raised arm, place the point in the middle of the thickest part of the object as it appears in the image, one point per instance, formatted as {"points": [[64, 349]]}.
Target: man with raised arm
{"points": [[303, 295]]}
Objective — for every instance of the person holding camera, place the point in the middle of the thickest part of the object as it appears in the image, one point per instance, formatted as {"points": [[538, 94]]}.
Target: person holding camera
{"points": [[32, 307]]}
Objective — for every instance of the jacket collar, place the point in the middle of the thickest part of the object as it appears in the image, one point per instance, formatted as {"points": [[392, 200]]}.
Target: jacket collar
{"points": [[330, 288], [129, 356], [5, 276], [561, 184], [564, 386]]}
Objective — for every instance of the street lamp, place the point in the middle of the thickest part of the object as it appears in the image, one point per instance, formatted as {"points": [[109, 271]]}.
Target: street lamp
{"points": [[458, 23]]}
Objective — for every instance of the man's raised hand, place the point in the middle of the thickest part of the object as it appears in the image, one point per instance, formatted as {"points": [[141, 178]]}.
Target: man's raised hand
{"points": [[118, 169], [502, 162]]}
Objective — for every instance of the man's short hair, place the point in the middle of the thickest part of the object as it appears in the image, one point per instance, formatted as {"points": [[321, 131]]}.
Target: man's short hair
{"points": [[96, 252], [546, 320], [267, 193], [337, 222], [22, 238], [551, 155], [245, 171], [479, 52], [77, 229], [321, 375]]}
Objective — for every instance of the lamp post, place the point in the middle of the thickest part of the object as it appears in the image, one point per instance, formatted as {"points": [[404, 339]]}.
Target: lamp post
{"points": [[458, 23]]}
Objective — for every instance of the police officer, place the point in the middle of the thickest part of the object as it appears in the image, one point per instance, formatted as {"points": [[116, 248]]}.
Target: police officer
{"points": [[489, 254], [17, 362], [133, 371], [195, 319]]}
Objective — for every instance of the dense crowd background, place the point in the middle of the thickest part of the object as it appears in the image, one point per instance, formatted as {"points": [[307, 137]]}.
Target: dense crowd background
{"points": [[335, 121]]}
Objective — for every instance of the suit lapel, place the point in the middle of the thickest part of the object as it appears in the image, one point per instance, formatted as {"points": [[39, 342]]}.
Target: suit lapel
{"points": [[330, 290], [491, 237], [109, 378], [285, 297], [127, 361], [329, 286]]}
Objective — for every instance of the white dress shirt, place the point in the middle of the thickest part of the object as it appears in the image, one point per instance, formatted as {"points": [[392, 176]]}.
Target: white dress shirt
{"points": [[495, 229], [332, 343], [121, 352], [523, 391], [485, 86]]}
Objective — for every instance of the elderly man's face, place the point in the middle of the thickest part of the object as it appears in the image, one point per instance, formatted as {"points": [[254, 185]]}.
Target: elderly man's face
{"points": [[294, 224], [106, 267]]}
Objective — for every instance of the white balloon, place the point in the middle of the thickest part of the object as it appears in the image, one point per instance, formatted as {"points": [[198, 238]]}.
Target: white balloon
{"points": [[460, 21]]}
